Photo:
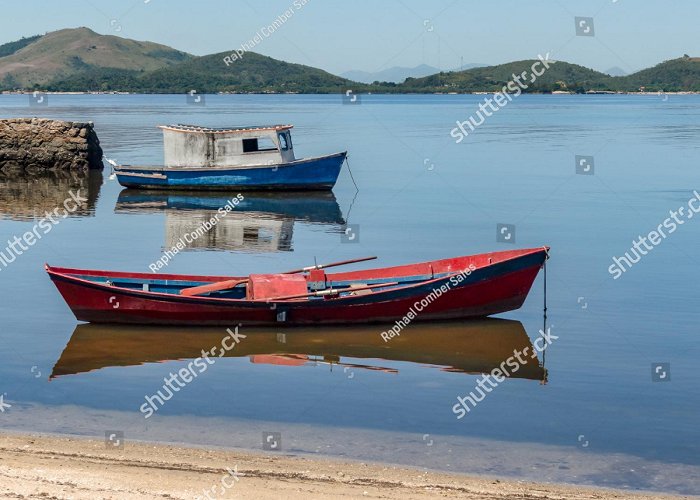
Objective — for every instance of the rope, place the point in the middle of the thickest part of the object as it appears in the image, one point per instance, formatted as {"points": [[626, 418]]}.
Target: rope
{"points": [[351, 176], [352, 203], [544, 268], [544, 318]]}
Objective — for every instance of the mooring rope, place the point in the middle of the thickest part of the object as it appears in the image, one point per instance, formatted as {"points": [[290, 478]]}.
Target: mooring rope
{"points": [[544, 316], [544, 269], [350, 172]]}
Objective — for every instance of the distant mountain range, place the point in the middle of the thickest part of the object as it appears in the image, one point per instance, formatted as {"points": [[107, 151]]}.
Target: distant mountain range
{"points": [[74, 60], [397, 74], [616, 71]]}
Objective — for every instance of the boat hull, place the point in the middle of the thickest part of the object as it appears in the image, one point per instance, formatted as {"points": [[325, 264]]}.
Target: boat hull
{"points": [[491, 289], [306, 174]]}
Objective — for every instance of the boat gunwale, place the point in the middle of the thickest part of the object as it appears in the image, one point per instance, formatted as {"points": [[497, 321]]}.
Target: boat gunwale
{"points": [[214, 278], [124, 169], [171, 297]]}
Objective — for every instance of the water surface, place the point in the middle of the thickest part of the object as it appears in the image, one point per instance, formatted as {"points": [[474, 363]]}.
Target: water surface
{"points": [[600, 418]]}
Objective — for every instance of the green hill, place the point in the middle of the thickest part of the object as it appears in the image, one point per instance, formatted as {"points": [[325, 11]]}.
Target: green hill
{"points": [[560, 76], [676, 75], [82, 60], [252, 73], [10, 48], [208, 74], [35, 62]]}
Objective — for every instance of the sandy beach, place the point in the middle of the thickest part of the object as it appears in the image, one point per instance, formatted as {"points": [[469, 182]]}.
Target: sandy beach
{"points": [[38, 466]]}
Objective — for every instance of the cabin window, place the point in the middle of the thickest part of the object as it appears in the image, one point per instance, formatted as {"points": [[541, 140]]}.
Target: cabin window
{"points": [[250, 145], [258, 144], [250, 234], [285, 141]]}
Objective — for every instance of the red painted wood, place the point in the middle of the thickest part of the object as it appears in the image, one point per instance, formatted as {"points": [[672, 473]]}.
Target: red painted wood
{"points": [[267, 286], [503, 288]]}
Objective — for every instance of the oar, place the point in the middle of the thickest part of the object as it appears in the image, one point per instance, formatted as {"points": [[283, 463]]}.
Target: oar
{"points": [[330, 291], [335, 264], [226, 285], [213, 287]]}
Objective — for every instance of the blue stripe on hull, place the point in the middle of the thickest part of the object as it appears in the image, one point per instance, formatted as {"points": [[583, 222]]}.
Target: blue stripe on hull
{"points": [[318, 173]]}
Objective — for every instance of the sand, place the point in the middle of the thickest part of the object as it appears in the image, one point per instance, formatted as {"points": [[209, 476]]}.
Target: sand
{"points": [[37, 466]]}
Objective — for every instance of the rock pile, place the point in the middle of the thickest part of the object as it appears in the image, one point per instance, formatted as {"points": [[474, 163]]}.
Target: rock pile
{"points": [[35, 145]]}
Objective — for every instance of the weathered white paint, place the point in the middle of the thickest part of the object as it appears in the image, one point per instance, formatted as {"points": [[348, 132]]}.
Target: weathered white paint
{"points": [[203, 147]]}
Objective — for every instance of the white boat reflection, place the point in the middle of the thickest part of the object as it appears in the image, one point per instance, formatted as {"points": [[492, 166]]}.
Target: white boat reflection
{"points": [[261, 222]]}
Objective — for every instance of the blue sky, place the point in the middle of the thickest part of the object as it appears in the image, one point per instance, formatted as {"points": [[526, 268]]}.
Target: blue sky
{"points": [[371, 35]]}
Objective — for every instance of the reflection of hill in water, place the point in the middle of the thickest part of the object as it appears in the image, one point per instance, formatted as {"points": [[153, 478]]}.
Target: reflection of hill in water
{"points": [[473, 347], [261, 222], [25, 197]]}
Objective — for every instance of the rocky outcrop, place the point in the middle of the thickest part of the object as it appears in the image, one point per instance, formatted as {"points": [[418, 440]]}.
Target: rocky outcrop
{"points": [[35, 145]]}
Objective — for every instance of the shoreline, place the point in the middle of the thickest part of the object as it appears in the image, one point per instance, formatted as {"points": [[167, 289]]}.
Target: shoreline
{"points": [[479, 92], [56, 466]]}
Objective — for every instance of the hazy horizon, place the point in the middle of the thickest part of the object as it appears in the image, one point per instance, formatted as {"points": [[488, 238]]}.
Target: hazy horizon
{"points": [[445, 34]]}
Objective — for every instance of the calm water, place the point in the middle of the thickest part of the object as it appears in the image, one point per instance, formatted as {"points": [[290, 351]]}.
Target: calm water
{"points": [[599, 418]]}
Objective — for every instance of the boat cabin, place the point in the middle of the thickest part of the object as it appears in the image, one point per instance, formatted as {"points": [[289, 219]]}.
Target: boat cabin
{"points": [[193, 146]]}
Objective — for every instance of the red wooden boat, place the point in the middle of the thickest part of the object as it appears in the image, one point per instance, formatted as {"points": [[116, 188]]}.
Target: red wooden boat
{"points": [[461, 287]]}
